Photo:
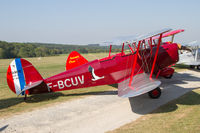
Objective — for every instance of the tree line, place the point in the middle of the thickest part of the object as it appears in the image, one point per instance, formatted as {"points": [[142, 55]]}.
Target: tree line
{"points": [[15, 50]]}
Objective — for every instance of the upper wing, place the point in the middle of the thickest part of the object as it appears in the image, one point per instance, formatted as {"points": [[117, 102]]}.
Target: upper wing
{"points": [[153, 34], [136, 38], [170, 33]]}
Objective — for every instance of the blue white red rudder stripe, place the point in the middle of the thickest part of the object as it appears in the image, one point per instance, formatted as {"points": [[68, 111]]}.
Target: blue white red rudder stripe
{"points": [[21, 73]]}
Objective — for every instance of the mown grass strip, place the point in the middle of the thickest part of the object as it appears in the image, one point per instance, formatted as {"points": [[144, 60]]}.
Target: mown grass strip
{"points": [[178, 116]]}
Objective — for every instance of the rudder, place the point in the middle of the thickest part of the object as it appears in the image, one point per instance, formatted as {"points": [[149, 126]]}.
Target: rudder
{"points": [[20, 74], [75, 59]]}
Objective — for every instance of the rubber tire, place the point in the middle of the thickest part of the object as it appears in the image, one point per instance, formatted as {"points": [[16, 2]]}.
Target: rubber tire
{"points": [[151, 95], [198, 67], [192, 66], [168, 76]]}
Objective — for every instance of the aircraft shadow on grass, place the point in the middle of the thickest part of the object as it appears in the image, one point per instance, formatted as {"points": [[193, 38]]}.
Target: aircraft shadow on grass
{"points": [[5, 103]]}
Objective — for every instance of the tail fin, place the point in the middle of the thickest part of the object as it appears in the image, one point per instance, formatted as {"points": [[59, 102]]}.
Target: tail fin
{"points": [[75, 59], [22, 75]]}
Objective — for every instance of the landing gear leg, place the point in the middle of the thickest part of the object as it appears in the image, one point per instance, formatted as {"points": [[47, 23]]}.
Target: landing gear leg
{"points": [[25, 97], [154, 94]]}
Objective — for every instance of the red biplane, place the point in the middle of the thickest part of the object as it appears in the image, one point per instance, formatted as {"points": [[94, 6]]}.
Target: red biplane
{"points": [[135, 70]]}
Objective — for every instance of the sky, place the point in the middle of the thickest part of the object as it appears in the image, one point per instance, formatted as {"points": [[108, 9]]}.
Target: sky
{"points": [[95, 21]]}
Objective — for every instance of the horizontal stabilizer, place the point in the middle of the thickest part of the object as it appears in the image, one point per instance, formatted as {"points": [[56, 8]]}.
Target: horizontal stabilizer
{"points": [[31, 85], [141, 84]]}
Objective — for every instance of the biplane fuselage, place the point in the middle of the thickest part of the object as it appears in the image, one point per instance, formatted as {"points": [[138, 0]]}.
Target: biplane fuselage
{"points": [[135, 70], [111, 70]]}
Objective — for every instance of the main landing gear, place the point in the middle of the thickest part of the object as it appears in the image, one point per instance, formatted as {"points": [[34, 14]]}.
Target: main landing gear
{"points": [[154, 94]]}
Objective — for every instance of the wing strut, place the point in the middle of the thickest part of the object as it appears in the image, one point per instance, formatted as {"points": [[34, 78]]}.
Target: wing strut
{"points": [[122, 49], [134, 63], [156, 55], [150, 44], [110, 50]]}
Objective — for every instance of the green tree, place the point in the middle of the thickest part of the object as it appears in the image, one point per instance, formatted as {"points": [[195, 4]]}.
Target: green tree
{"points": [[2, 53], [23, 52], [42, 51], [83, 50]]}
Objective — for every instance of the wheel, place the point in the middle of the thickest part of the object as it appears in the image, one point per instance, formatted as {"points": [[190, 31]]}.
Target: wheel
{"points": [[168, 76], [154, 94], [192, 66], [198, 67]]}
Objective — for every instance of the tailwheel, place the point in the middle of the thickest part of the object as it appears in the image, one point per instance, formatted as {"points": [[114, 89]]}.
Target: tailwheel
{"points": [[192, 66], [154, 94], [198, 67], [25, 97]]}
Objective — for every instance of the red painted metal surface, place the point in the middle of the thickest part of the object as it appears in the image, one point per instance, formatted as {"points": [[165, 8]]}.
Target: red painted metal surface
{"points": [[130, 48], [166, 71], [171, 33], [30, 73], [134, 63], [156, 55], [158, 74], [122, 49], [110, 50], [10, 81], [74, 60]]}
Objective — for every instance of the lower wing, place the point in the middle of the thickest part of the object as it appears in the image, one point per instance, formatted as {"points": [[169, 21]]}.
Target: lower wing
{"points": [[141, 84]]}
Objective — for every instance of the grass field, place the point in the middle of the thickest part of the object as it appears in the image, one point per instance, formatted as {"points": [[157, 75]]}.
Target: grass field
{"points": [[178, 116], [47, 66]]}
